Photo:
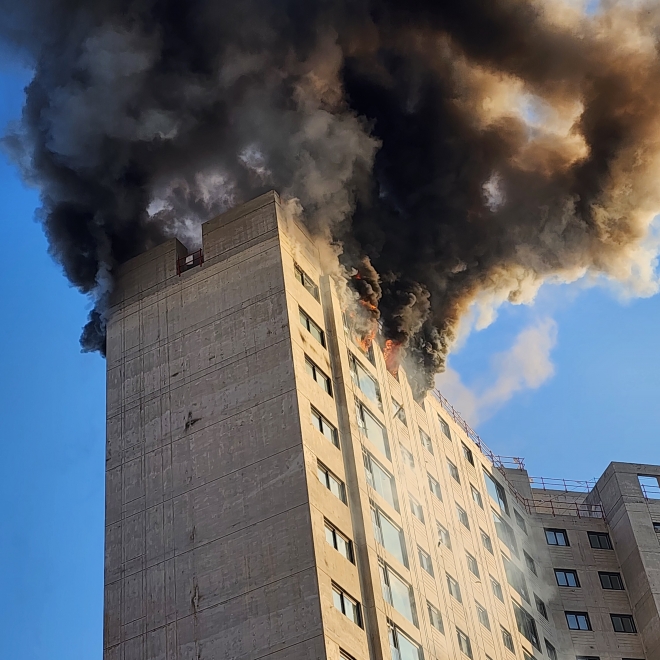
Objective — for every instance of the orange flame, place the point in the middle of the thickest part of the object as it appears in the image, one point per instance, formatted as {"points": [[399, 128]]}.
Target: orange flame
{"points": [[392, 355]]}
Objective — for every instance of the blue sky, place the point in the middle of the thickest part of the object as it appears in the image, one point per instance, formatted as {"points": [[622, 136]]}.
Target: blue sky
{"points": [[599, 405]]}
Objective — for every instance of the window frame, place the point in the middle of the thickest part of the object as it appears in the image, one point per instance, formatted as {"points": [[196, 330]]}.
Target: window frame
{"points": [[600, 536], [425, 561], [550, 650], [473, 565], [434, 613], [467, 454], [329, 474], [400, 412], [496, 588], [529, 561], [526, 625], [464, 643], [377, 514], [624, 617], [323, 420], [507, 640], [462, 515], [444, 427], [476, 496], [387, 573], [426, 440], [567, 571], [577, 616], [541, 607], [557, 533], [487, 542], [344, 596], [434, 486], [307, 282], [444, 537], [369, 461], [407, 456], [310, 364], [454, 588], [309, 324], [361, 413], [453, 471], [350, 553], [417, 509], [482, 615], [609, 575], [355, 364]]}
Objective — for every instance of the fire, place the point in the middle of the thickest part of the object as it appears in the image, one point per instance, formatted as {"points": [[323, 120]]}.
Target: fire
{"points": [[367, 339], [392, 355]]}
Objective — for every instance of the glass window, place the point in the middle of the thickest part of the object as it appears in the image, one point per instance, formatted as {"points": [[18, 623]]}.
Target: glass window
{"points": [[497, 588], [520, 521], [349, 607], [401, 646], [333, 484], [600, 540], [339, 542], [496, 491], [399, 412], [389, 535], [531, 564], [527, 626], [425, 561], [453, 470], [345, 656], [445, 427], [364, 381], [540, 607], [476, 496], [443, 536], [322, 424], [578, 621], [505, 533], [472, 565], [516, 578], [623, 623], [462, 516], [464, 643], [380, 480], [407, 457], [311, 326], [467, 453], [372, 428], [306, 281], [656, 527], [454, 588], [566, 577], [426, 441], [486, 542], [398, 593], [507, 639], [315, 373], [416, 509], [551, 650], [436, 618], [556, 537], [482, 615], [434, 487], [611, 581]]}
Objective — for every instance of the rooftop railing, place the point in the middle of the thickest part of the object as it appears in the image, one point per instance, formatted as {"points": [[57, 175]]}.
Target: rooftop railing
{"points": [[650, 492], [567, 485]]}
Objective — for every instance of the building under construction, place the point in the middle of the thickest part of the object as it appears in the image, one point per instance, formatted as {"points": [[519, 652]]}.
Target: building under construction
{"points": [[274, 492]]}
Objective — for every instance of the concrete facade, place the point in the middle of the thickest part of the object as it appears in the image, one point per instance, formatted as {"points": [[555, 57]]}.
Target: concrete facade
{"points": [[260, 489]]}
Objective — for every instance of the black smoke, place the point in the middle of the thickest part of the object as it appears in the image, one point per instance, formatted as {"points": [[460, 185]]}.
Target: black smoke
{"points": [[465, 150]]}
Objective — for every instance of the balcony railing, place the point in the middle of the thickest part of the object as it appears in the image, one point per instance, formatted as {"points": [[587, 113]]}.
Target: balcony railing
{"points": [[650, 492]]}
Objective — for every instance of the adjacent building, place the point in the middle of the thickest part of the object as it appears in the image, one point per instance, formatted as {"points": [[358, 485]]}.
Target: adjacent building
{"points": [[274, 492]]}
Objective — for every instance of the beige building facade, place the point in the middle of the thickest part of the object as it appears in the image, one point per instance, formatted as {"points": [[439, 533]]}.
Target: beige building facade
{"points": [[273, 492]]}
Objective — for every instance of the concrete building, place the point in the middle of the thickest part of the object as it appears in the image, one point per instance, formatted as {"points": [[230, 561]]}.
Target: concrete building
{"points": [[273, 492]]}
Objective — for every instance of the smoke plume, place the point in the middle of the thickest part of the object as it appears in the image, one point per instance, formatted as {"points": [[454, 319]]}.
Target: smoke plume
{"points": [[463, 149]]}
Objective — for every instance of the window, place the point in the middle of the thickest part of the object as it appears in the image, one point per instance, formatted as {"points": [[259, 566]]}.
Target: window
{"points": [[600, 540], [398, 593], [345, 656], [322, 424], [531, 564], [426, 441], [507, 639], [339, 542], [407, 457], [425, 561], [497, 588], [464, 643], [472, 565], [527, 656], [453, 470], [380, 480], [436, 618], [527, 626], [463, 516], [454, 588], [467, 453], [578, 621], [567, 578], [445, 427], [399, 412], [315, 373], [516, 578], [656, 527], [476, 496], [416, 509], [363, 380], [482, 615], [372, 428], [333, 484], [556, 537], [401, 646], [623, 623], [389, 535], [443, 536], [305, 280], [540, 607], [496, 491], [505, 533], [311, 327], [611, 581], [486, 542], [550, 650], [349, 607], [520, 521], [434, 487]]}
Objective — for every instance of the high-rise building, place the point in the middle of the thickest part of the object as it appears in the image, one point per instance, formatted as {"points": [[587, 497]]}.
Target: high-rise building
{"points": [[273, 492]]}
